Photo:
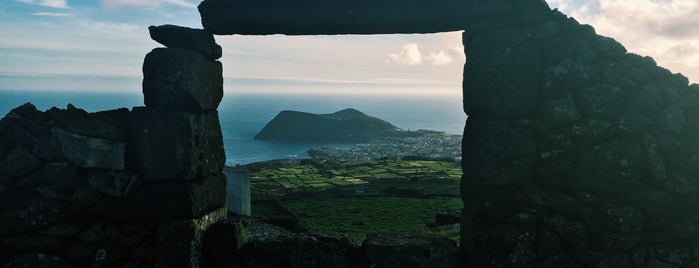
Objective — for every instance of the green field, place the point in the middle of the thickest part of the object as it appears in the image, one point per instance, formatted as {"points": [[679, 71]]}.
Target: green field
{"points": [[357, 198]]}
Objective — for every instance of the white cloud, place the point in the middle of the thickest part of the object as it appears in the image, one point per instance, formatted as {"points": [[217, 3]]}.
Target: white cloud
{"points": [[47, 3], [410, 55], [51, 14], [146, 3], [439, 58]]}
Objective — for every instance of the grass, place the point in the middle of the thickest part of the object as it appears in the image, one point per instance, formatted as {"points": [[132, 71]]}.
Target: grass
{"points": [[358, 216], [358, 198]]}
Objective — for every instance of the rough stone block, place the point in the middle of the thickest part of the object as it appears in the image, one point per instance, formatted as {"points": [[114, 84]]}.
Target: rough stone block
{"points": [[19, 162], [179, 80], [88, 152], [97, 125], [615, 166], [112, 183], [502, 76], [198, 40], [181, 243], [62, 175], [176, 145], [409, 250], [156, 202], [497, 153], [271, 246]]}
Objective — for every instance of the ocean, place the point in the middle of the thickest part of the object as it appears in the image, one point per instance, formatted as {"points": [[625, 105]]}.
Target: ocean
{"points": [[242, 115]]}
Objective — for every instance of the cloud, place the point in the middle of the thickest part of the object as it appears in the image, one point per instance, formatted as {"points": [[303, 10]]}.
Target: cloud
{"points": [[439, 58], [146, 3], [51, 14], [47, 3], [411, 55]]}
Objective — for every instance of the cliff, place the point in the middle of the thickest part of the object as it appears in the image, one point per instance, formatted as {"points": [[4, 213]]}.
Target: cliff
{"points": [[348, 125]]}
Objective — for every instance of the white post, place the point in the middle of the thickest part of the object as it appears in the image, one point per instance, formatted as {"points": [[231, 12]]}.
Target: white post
{"points": [[237, 190]]}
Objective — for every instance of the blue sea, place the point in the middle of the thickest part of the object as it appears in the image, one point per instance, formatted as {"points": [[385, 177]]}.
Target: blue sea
{"points": [[242, 115]]}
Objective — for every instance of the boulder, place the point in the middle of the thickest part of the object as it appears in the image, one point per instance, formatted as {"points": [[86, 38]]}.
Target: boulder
{"points": [[182, 243], [38, 260], [19, 162], [62, 175], [157, 202], [180, 80], [611, 167], [271, 246], [88, 152], [497, 153], [502, 77], [193, 151], [28, 211], [96, 125], [409, 250], [198, 40], [112, 183]]}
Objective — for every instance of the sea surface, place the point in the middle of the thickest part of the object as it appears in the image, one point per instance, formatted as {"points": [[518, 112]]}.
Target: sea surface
{"points": [[242, 115]]}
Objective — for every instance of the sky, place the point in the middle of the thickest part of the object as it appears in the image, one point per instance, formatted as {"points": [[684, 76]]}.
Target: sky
{"points": [[99, 45]]}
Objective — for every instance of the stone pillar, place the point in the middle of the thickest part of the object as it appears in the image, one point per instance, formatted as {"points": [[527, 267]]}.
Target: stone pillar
{"points": [[177, 142]]}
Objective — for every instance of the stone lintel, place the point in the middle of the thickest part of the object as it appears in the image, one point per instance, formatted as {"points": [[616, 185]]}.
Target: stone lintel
{"points": [[318, 17]]}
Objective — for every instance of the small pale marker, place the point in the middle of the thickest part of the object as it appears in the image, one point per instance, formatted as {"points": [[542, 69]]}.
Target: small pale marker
{"points": [[237, 190]]}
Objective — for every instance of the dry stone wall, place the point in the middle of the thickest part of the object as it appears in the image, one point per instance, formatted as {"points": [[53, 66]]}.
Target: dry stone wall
{"points": [[120, 188], [576, 153]]}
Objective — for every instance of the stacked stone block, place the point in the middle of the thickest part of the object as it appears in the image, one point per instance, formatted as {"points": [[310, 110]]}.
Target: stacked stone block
{"points": [[576, 153], [177, 141], [120, 188]]}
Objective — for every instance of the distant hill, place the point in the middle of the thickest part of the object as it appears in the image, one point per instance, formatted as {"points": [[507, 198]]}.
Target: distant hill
{"points": [[348, 125]]}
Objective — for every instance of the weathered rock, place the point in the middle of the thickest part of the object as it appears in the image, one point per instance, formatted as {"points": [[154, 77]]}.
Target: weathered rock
{"points": [[503, 244], [198, 40], [180, 80], [616, 260], [85, 196], [332, 17], [193, 151], [270, 246], [572, 231], [62, 230], [497, 154], [38, 260], [392, 250], [570, 204], [609, 167], [491, 57], [560, 111], [613, 242], [96, 125], [225, 239], [88, 152], [622, 218], [112, 183], [19, 162], [27, 211], [181, 243], [93, 233], [165, 202], [62, 175]]}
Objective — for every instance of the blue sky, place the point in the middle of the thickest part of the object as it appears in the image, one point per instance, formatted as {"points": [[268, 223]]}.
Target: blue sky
{"points": [[100, 45]]}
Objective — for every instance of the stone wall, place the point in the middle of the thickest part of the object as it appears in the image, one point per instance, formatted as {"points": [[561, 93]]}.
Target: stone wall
{"points": [[120, 188], [575, 153]]}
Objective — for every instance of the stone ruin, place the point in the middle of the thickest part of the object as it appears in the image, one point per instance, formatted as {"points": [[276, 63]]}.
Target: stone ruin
{"points": [[575, 153]]}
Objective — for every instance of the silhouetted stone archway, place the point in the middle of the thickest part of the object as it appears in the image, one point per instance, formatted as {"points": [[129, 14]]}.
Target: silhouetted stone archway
{"points": [[573, 146]]}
